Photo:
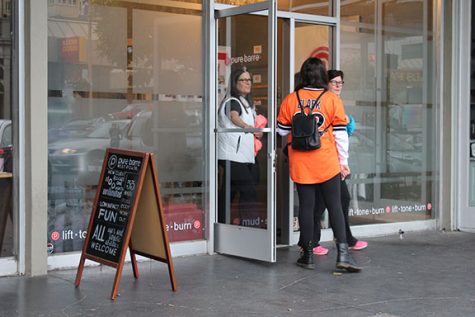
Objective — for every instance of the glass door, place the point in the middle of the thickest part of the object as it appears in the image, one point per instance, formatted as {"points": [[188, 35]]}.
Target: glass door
{"points": [[245, 131], [299, 40], [310, 40]]}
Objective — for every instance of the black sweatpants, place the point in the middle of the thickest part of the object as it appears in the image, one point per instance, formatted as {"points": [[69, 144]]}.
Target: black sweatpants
{"points": [[330, 191], [345, 205], [243, 180]]}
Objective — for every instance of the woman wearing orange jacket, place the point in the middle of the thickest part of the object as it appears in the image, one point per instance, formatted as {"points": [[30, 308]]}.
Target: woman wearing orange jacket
{"points": [[317, 173]]}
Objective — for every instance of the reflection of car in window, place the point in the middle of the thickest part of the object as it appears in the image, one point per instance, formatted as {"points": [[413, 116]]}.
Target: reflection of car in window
{"points": [[178, 148], [74, 129], [83, 155], [131, 110], [141, 128], [174, 138], [403, 153]]}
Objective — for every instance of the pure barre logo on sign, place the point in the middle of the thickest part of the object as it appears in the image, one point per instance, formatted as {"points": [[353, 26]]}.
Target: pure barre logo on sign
{"points": [[112, 161]]}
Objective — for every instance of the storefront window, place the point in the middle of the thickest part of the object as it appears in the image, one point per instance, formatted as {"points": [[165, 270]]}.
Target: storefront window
{"points": [[386, 55], [125, 75], [7, 124]]}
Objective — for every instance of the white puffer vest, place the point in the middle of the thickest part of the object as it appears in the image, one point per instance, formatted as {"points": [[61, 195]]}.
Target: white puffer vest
{"points": [[235, 146]]}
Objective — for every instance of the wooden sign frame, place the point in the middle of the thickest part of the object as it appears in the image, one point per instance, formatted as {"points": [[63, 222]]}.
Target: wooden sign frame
{"points": [[144, 232]]}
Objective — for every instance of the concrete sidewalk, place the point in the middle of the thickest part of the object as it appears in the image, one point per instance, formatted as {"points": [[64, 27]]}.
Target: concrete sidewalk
{"points": [[424, 274]]}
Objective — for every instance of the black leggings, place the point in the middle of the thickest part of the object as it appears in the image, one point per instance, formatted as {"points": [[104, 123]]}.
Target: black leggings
{"points": [[330, 192], [243, 180], [345, 205]]}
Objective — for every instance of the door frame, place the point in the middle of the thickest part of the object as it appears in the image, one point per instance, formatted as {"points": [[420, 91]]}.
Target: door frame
{"points": [[210, 98], [333, 22], [13, 265], [464, 217], [264, 239]]}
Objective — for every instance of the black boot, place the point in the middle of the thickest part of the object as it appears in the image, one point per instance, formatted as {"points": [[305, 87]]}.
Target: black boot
{"points": [[344, 259], [306, 256]]}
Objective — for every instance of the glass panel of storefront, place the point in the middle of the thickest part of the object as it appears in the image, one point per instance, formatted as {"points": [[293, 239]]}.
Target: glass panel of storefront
{"points": [[386, 55], [7, 125], [127, 75]]}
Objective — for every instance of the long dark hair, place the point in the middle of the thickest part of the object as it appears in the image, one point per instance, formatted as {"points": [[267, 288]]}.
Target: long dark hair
{"points": [[333, 73], [233, 81], [313, 74]]}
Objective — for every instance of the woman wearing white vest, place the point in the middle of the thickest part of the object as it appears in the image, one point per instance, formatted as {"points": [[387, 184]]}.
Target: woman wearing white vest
{"points": [[239, 172]]}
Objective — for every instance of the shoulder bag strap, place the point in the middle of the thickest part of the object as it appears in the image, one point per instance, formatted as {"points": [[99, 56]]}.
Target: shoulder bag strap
{"points": [[300, 104], [316, 102]]}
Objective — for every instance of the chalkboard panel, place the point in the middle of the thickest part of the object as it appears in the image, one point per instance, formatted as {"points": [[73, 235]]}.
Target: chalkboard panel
{"points": [[114, 204]]}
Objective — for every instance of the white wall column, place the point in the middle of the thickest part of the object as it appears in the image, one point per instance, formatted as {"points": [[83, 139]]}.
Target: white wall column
{"points": [[35, 169]]}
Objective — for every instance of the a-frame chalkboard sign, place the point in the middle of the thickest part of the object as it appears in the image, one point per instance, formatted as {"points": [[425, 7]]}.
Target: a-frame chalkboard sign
{"points": [[127, 213]]}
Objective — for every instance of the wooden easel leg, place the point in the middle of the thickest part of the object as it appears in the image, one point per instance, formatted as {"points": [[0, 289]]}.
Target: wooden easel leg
{"points": [[134, 264], [118, 275], [171, 272], [79, 272]]}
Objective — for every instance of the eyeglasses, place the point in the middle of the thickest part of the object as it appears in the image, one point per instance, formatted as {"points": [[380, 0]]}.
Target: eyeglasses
{"points": [[247, 80], [336, 83]]}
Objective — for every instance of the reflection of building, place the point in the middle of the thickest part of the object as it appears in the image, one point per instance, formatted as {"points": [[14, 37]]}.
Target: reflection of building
{"points": [[149, 65], [6, 8], [5, 58], [65, 8]]}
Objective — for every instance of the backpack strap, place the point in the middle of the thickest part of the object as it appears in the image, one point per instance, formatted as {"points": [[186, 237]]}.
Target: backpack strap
{"points": [[316, 101], [300, 104], [311, 109]]}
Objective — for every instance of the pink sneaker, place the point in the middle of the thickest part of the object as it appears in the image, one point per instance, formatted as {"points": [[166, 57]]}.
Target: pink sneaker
{"points": [[319, 250], [359, 245]]}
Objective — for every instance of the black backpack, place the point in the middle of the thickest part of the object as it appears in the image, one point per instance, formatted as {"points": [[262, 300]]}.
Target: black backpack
{"points": [[305, 134]]}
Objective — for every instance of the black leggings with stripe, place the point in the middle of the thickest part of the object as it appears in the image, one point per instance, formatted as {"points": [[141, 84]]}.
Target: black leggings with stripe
{"points": [[330, 191]]}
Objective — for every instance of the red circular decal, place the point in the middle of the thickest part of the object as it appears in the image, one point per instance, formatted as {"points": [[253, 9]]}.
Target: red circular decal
{"points": [[322, 53], [388, 209], [197, 224], [429, 206], [55, 235]]}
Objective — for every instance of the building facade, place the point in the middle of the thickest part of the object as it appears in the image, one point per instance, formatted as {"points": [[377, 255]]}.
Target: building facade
{"points": [[79, 76]]}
